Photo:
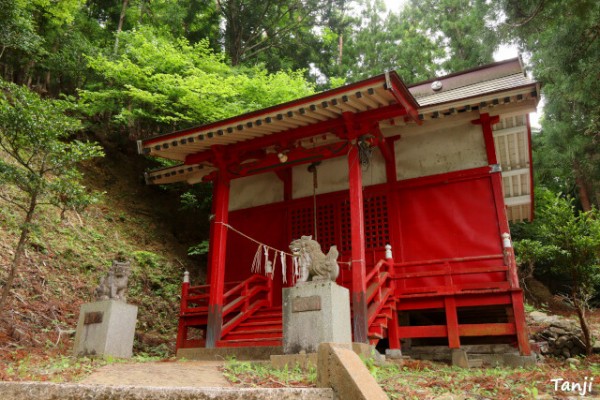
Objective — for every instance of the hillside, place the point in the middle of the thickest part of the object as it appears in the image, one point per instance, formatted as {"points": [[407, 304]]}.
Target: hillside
{"points": [[66, 258]]}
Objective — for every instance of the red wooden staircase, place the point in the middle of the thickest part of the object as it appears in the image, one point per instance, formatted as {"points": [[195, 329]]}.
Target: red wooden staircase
{"points": [[241, 301], [262, 328], [381, 304], [250, 320]]}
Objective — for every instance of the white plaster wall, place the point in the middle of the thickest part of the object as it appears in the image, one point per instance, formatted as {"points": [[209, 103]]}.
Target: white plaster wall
{"points": [[255, 190], [332, 176], [439, 151]]}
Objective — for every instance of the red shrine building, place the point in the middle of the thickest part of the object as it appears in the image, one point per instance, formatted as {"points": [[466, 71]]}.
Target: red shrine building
{"points": [[414, 185]]}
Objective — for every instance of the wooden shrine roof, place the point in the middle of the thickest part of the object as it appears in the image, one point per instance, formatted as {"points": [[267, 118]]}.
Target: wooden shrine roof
{"points": [[385, 92], [383, 98]]}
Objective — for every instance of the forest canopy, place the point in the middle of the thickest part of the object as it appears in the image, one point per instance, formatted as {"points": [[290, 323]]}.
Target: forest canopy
{"points": [[136, 68]]}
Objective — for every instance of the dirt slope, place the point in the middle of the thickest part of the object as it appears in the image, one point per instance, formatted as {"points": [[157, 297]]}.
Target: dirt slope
{"points": [[67, 257]]}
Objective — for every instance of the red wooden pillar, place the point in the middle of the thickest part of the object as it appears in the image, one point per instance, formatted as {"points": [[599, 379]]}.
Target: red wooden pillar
{"points": [[218, 247], [393, 324], [486, 122], [182, 333], [357, 226], [452, 322]]}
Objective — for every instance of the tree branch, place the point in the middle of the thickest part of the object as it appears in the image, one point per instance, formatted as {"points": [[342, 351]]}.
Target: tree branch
{"points": [[272, 42], [530, 17], [14, 203]]}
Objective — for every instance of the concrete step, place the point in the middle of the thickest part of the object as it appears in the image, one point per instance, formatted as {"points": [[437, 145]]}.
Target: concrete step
{"points": [[222, 353], [52, 391]]}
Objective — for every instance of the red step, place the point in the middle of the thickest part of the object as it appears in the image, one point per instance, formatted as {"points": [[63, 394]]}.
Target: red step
{"points": [[246, 335], [252, 322], [250, 342]]}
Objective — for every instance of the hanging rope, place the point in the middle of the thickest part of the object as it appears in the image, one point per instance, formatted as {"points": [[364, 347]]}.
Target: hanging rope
{"points": [[365, 151], [252, 239], [273, 265], [260, 251], [256, 263], [283, 266], [313, 168]]}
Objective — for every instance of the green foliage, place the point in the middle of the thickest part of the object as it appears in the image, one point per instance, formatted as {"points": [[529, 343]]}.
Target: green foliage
{"points": [[153, 277], [562, 37], [392, 41], [17, 29], [54, 369], [37, 157], [37, 161], [199, 249], [254, 374], [566, 243], [421, 379], [563, 242], [253, 27], [461, 28], [158, 82], [147, 260]]}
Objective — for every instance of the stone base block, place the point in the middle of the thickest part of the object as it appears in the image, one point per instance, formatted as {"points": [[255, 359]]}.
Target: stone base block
{"points": [[394, 354], [106, 328], [313, 313]]}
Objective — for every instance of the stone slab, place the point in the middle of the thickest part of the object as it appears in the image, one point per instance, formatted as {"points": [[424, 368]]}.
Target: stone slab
{"points": [[164, 374], [340, 368], [53, 391], [105, 328], [313, 313], [460, 358], [517, 360], [223, 353]]}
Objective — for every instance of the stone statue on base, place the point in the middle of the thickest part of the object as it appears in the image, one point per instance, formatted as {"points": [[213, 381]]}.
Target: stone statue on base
{"points": [[113, 286], [314, 264]]}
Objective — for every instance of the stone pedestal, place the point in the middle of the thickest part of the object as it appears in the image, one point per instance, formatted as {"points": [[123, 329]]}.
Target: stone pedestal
{"points": [[313, 313], [106, 328]]}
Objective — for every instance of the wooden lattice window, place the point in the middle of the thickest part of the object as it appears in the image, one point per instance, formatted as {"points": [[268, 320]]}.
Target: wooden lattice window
{"points": [[345, 226], [326, 226], [377, 232], [302, 222], [333, 224]]}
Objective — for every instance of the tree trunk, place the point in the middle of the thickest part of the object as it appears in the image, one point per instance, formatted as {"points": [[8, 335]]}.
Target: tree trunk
{"points": [[581, 183], [340, 48], [20, 250], [580, 306], [120, 25], [231, 11]]}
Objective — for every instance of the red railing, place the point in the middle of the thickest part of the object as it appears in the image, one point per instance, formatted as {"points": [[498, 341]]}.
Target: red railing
{"points": [[194, 299], [380, 288], [447, 269], [241, 296], [244, 299], [240, 301]]}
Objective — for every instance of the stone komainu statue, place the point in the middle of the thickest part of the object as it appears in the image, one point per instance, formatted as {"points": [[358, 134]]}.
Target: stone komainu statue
{"points": [[113, 286], [314, 264]]}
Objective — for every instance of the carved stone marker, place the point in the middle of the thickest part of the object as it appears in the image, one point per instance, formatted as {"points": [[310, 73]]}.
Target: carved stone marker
{"points": [[107, 326], [313, 313]]}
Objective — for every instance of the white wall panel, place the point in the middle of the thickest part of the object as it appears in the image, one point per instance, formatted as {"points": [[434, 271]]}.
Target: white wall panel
{"points": [[255, 190], [440, 151]]}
